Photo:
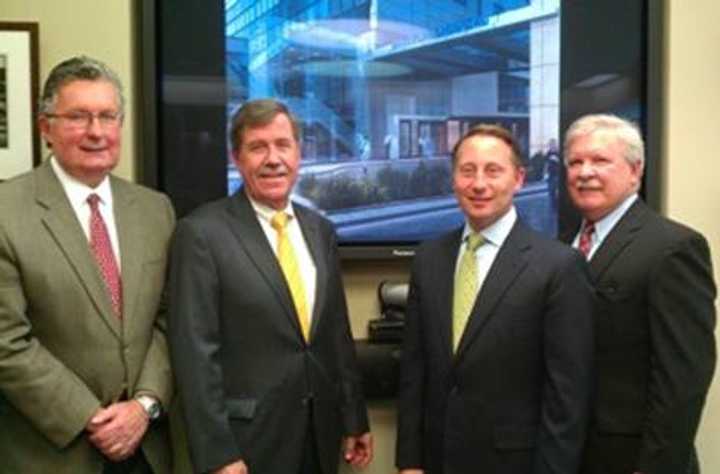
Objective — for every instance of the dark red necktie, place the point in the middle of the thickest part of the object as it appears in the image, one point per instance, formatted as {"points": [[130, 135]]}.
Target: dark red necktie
{"points": [[104, 256], [585, 243]]}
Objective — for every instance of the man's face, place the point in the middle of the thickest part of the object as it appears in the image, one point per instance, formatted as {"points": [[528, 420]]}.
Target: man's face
{"points": [[268, 160], [599, 177], [485, 179], [86, 151]]}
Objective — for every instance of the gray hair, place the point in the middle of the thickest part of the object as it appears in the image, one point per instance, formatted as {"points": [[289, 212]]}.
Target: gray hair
{"points": [[257, 113], [79, 68], [625, 131]]}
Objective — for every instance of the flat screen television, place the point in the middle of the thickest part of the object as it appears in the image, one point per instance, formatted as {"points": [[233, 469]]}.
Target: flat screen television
{"points": [[383, 89]]}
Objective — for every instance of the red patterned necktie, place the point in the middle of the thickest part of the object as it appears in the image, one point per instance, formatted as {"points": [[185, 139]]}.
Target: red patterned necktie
{"points": [[585, 243], [104, 255]]}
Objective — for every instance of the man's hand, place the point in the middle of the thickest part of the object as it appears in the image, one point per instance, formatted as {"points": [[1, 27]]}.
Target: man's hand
{"points": [[118, 429], [358, 450], [411, 471], [238, 467]]}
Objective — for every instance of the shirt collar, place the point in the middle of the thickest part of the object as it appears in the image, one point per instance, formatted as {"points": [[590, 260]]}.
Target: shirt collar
{"points": [[606, 224], [266, 213], [77, 191], [497, 232]]}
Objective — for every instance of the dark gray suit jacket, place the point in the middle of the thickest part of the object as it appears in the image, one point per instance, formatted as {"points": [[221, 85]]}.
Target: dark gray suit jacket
{"points": [[655, 345], [246, 376], [514, 398]]}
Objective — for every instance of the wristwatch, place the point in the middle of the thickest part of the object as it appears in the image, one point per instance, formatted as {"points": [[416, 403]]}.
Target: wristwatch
{"points": [[151, 406]]}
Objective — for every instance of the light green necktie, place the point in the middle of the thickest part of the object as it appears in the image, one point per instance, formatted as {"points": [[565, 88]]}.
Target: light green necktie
{"points": [[466, 287], [289, 264]]}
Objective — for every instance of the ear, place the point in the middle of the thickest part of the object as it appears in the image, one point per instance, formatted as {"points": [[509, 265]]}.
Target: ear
{"points": [[44, 126], [236, 158], [637, 172], [520, 177]]}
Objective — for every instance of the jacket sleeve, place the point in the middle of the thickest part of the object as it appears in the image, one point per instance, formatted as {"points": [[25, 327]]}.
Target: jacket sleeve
{"points": [[55, 400], [194, 336], [681, 317], [409, 452], [156, 376], [354, 411], [568, 348]]}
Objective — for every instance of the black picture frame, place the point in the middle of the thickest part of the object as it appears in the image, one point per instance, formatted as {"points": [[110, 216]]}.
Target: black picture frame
{"points": [[19, 135]]}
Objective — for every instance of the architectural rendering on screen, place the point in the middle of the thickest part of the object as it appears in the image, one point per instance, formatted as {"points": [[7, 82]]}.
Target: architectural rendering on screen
{"points": [[384, 89]]}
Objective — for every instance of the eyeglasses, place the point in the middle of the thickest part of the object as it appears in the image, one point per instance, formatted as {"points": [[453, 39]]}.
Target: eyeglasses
{"points": [[82, 119]]}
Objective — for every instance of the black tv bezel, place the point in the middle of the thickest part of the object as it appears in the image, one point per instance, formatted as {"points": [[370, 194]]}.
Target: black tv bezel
{"points": [[152, 170]]}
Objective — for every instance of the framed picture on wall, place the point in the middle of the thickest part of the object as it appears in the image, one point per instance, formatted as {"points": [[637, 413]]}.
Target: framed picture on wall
{"points": [[19, 137]]}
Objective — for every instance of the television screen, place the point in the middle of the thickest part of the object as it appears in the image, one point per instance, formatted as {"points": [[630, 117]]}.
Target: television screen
{"points": [[383, 90]]}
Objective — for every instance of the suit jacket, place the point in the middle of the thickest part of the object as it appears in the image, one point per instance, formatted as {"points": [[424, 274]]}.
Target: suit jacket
{"points": [[655, 345], [63, 353], [247, 378], [513, 399]]}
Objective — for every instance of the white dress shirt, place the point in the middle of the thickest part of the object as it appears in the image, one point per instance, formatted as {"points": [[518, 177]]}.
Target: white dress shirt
{"points": [[77, 193], [494, 235], [604, 226], [302, 251]]}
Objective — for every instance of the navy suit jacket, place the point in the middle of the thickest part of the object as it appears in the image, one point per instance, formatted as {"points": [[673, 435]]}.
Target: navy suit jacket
{"points": [[514, 397]]}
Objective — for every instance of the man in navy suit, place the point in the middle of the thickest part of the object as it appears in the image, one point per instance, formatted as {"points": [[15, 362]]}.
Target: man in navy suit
{"points": [[496, 367], [655, 348], [262, 351]]}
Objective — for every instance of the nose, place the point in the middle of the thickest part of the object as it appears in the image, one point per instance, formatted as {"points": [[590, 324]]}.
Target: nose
{"points": [[478, 182], [274, 156], [586, 169], [93, 127]]}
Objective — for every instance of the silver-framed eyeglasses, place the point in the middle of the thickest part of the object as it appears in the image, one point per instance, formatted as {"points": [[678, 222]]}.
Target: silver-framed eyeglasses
{"points": [[84, 119]]}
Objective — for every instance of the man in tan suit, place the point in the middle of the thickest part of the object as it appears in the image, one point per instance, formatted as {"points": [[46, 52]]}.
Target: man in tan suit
{"points": [[84, 370]]}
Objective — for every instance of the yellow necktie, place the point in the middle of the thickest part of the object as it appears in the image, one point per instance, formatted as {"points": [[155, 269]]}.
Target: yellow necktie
{"points": [[289, 264], [466, 287]]}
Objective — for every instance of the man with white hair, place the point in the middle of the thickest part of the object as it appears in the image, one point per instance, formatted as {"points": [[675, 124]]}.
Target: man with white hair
{"points": [[655, 349]]}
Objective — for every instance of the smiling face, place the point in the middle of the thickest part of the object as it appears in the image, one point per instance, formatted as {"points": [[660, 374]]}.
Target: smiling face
{"points": [[485, 179], [599, 178], [88, 153], [268, 159]]}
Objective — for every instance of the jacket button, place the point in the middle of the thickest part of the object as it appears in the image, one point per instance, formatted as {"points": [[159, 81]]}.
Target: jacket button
{"points": [[307, 399]]}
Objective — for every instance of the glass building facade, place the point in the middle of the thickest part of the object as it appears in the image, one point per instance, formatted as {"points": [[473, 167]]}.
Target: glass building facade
{"points": [[384, 89]]}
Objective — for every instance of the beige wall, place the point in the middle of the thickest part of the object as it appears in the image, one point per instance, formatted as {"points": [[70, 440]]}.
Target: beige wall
{"points": [[692, 182], [692, 178], [101, 29]]}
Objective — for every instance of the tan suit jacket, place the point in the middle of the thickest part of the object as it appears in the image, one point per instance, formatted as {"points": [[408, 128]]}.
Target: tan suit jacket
{"points": [[63, 353]]}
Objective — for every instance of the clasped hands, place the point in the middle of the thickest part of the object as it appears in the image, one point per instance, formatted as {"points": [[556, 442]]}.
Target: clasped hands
{"points": [[118, 429]]}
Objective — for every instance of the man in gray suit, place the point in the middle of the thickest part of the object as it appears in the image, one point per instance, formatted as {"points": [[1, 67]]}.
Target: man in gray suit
{"points": [[258, 325], [84, 368]]}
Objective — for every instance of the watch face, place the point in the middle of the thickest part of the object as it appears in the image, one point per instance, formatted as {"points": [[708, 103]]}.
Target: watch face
{"points": [[154, 411], [151, 406]]}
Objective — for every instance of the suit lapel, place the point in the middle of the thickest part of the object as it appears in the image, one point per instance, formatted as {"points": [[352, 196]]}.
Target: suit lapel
{"points": [[314, 240], [509, 262], [63, 226], [244, 224], [619, 237], [130, 238]]}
